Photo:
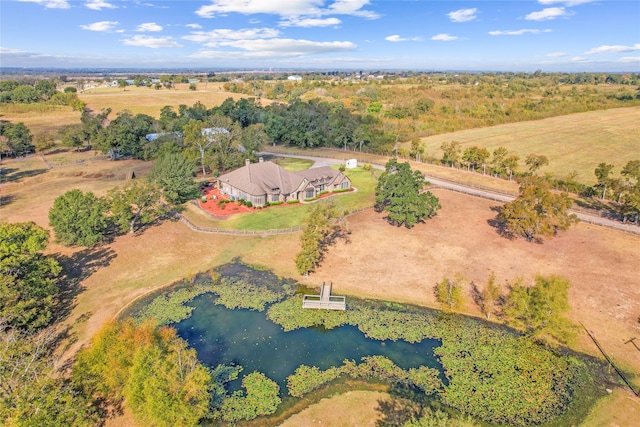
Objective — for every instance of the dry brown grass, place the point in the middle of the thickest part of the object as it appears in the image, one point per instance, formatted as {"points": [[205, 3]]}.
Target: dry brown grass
{"points": [[150, 101], [572, 142], [40, 119], [386, 262], [354, 408], [381, 261]]}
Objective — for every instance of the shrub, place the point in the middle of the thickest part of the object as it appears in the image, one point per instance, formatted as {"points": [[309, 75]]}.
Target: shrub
{"points": [[291, 202], [261, 399], [308, 378], [366, 167]]}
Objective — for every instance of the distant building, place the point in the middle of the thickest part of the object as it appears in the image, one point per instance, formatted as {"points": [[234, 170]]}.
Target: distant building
{"points": [[295, 77], [264, 182]]}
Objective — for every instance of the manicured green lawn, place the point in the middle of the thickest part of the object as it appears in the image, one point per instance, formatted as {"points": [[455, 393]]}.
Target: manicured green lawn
{"points": [[287, 216], [293, 165]]}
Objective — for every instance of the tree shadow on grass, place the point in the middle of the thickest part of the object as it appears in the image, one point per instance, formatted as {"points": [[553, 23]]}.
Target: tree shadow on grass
{"points": [[6, 199], [499, 226], [10, 175], [77, 268], [403, 405]]}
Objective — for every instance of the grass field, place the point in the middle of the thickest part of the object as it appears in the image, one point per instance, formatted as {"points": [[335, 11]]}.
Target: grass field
{"points": [[150, 101], [117, 273], [575, 142], [286, 216], [40, 118]]}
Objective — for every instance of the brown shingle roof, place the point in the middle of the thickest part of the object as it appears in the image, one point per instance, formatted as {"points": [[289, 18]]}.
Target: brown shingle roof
{"points": [[261, 178]]}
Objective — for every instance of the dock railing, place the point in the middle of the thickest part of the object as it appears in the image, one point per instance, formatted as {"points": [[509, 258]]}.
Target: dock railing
{"points": [[325, 300]]}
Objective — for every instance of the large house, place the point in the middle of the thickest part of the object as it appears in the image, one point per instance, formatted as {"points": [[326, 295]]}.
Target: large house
{"points": [[264, 182]]}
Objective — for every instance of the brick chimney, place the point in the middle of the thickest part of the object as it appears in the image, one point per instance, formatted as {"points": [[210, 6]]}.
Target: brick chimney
{"points": [[260, 160]]}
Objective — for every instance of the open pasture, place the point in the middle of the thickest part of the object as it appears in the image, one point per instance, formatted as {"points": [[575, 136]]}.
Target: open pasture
{"points": [[40, 118], [576, 142], [144, 100], [380, 261]]}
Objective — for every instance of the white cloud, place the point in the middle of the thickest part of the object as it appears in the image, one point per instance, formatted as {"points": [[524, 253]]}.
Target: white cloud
{"points": [[613, 49], [9, 51], [579, 59], [149, 26], [548, 14], [310, 22], [351, 7], [463, 15], [215, 37], [567, 3], [556, 54], [99, 5], [100, 26], [287, 8], [274, 49], [517, 32], [627, 59], [272, 7], [50, 4], [289, 45], [194, 26], [444, 37], [151, 42], [397, 38]]}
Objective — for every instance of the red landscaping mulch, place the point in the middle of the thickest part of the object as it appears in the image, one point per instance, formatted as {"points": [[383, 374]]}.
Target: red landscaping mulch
{"points": [[221, 209]]}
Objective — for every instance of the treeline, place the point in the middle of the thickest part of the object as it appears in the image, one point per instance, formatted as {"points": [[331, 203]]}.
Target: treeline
{"points": [[621, 191], [222, 137], [29, 92], [419, 105]]}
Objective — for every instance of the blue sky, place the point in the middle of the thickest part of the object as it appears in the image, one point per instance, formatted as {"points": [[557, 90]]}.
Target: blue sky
{"points": [[551, 35]]}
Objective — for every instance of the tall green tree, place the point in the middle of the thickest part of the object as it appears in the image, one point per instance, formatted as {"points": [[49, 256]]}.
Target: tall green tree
{"points": [[399, 192], [450, 294], [537, 212], [15, 139], [498, 163], [489, 296], [199, 142], [28, 279], [602, 172], [174, 174], [630, 199], [451, 153], [321, 226], [475, 157], [536, 161], [150, 369], [32, 392], [540, 310], [79, 218], [137, 203], [167, 385]]}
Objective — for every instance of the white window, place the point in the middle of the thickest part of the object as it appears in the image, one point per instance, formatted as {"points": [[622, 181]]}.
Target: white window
{"points": [[275, 197], [345, 185]]}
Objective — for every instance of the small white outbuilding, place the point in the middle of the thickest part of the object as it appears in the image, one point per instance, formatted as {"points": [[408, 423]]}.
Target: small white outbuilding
{"points": [[351, 164]]}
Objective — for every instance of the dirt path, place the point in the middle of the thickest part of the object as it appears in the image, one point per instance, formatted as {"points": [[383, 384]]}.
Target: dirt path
{"points": [[475, 191]]}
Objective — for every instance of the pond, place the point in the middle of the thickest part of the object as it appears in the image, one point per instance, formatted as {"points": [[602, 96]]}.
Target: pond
{"points": [[247, 338]]}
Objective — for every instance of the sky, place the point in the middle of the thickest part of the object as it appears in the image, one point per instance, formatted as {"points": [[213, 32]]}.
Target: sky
{"points": [[508, 35]]}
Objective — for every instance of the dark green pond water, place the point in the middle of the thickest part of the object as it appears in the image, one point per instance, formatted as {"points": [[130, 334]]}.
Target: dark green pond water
{"points": [[248, 338]]}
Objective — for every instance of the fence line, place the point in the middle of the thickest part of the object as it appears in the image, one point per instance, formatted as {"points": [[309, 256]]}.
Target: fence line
{"points": [[606, 356], [248, 232]]}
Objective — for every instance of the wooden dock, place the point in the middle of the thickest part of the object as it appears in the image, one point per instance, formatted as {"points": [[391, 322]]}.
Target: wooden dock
{"points": [[325, 300]]}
